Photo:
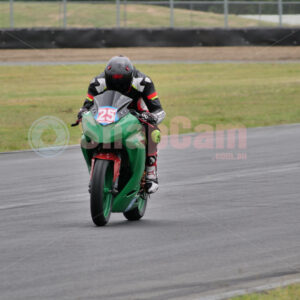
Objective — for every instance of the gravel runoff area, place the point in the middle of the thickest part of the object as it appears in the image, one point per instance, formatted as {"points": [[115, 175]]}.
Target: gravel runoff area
{"points": [[157, 54]]}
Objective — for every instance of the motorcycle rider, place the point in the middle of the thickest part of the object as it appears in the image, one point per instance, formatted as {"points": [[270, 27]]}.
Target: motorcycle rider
{"points": [[120, 75]]}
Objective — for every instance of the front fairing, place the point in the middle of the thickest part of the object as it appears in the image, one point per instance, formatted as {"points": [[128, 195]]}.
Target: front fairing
{"points": [[118, 131], [108, 128]]}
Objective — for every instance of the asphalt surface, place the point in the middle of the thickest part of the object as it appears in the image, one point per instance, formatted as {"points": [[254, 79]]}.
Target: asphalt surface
{"points": [[214, 225]]}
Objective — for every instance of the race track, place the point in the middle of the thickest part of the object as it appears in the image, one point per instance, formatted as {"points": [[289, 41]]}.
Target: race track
{"points": [[215, 225]]}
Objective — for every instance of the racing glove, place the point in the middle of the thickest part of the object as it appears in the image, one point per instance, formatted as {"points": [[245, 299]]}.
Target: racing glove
{"points": [[149, 117], [81, 111]]}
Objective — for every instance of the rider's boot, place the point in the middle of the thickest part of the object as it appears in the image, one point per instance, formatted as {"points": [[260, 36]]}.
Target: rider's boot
{"points": [[151, 185]]}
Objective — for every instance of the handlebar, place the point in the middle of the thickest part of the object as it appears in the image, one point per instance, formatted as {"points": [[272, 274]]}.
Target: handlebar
{"points": [[139, 116], [135, 113], [78, 121]]}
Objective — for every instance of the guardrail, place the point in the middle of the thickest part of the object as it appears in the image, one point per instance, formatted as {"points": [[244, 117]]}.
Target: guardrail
{"points": [[129, 13]]}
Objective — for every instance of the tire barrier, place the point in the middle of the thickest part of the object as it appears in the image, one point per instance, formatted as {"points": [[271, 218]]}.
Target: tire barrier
{"points": [[38, 38]]}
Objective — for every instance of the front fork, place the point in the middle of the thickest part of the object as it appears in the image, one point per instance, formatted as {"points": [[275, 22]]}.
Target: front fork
{"points": [[117, 165]]}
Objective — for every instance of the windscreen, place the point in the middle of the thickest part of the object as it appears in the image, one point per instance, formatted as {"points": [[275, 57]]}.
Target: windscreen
{"points": [[110, 107]]}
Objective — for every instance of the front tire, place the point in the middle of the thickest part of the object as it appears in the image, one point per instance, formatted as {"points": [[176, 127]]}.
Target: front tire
{"points": [[101, 196]]}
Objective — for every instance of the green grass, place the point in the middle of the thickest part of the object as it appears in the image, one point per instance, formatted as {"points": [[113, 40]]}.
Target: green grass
{"points": [[49, 14], [291, 292], [247, 94]]}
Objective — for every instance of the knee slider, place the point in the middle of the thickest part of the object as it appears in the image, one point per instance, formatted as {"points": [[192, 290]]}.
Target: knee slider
{"points": [[155, 136]]}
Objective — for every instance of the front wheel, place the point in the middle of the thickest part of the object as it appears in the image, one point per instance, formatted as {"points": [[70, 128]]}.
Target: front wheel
{"points": [[139, 211], [101, 196]]}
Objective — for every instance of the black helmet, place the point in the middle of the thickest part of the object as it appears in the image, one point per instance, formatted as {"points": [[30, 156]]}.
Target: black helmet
{"points": [[119, 74]]}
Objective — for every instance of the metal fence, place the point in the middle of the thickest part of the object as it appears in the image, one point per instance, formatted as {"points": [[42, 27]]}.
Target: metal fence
{"points": [[128, 13]]}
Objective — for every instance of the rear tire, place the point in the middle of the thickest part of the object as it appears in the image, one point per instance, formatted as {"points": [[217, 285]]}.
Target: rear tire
{"points": [[138, 212], [101, 196]]}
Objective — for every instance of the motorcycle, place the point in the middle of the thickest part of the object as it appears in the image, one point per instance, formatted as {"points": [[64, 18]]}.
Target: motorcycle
{"points": [[114, 147]]}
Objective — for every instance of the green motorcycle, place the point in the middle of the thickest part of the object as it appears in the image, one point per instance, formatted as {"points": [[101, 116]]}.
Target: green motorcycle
{"points": [[114, 147]]}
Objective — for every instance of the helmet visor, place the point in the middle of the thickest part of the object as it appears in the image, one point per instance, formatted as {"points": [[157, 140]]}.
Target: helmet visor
{"points": [[119, 83]]}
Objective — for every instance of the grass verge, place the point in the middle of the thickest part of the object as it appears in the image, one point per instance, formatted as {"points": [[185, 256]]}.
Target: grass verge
{"points": [[248, 94], [291, 292]]}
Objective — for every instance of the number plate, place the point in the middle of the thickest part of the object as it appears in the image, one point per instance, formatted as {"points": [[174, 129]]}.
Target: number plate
{"points": [[107, 115]]}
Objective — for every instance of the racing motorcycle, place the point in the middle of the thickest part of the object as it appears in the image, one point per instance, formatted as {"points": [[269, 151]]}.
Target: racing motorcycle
{"points": [[114, 147]]}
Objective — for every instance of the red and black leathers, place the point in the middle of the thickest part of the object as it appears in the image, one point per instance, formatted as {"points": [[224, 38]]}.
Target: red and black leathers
{"points": [[141, 87]]}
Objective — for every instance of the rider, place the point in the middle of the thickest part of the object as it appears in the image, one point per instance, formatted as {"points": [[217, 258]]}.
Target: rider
{"points": [[120, 75]]}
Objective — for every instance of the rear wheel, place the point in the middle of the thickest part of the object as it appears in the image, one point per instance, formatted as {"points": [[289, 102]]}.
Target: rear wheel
{"points": [[139, 211], [101, 196]]}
